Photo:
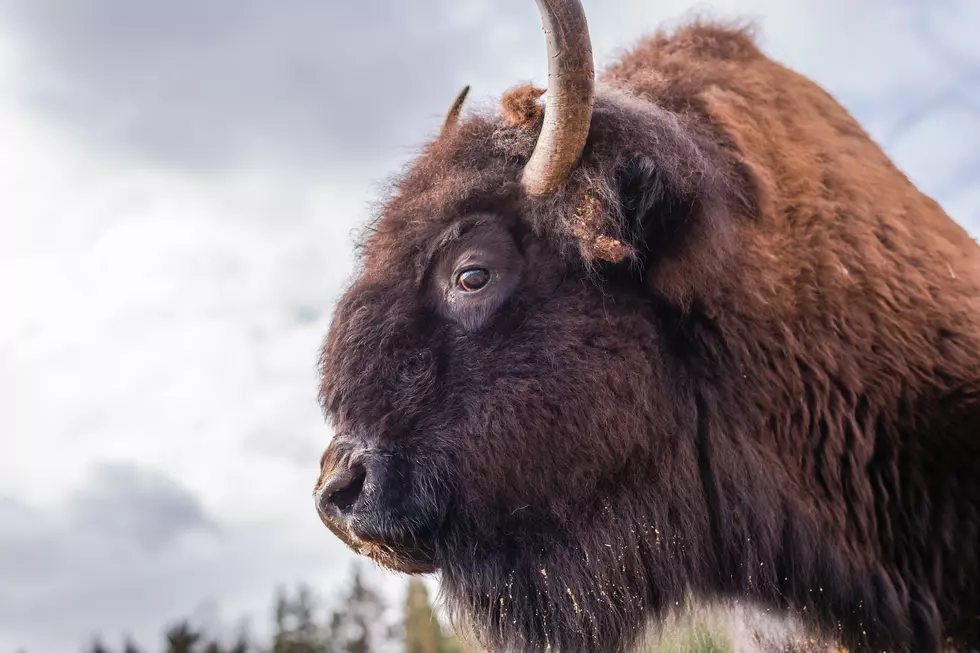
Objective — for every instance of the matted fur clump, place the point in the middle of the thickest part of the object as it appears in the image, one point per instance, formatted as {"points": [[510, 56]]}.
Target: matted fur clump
{"points": [[735, 356], [520, 106]]}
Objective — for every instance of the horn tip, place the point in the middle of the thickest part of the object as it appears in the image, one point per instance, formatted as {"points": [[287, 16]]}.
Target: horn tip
{"points": [[452, 117]]}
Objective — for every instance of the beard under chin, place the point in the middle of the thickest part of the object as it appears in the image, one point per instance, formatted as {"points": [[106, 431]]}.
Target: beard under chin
{"points": [[413, 563], [525, 596]]}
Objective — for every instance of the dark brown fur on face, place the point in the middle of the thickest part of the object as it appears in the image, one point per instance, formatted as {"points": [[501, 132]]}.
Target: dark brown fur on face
{"points": [[736, 354]]}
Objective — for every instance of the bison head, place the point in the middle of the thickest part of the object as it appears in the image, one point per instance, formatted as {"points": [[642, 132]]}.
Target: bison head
{"points": [[570, 376], [503, 386]]}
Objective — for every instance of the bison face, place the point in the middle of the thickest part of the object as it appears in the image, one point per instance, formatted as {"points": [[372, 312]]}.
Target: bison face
{"points": [[494, 395], [501, 379]]}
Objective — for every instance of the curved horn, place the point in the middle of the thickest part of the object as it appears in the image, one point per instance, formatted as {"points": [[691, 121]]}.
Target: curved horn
{"points": [[453, 116], [568, 111]]}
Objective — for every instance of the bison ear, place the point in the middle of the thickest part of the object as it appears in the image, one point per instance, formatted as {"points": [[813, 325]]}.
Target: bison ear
{"points": [[653, 216], [680, 232]]}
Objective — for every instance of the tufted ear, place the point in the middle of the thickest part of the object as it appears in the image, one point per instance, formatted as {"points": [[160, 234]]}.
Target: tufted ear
{"points": [[678, 226], [653, 214]]}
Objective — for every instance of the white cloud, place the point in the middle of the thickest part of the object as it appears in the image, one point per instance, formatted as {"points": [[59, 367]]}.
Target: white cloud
{"points": [[171, 323], [209, 84]]}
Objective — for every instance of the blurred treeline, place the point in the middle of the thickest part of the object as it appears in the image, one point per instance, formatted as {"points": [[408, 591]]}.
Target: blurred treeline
{"points": [[359, 623]]}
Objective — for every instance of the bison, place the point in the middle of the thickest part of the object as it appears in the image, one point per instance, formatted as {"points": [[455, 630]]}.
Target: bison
{"points": [[679, 330]]}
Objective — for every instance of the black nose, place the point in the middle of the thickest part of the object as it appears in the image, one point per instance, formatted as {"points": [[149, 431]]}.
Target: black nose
{"points": [[338, 495]]}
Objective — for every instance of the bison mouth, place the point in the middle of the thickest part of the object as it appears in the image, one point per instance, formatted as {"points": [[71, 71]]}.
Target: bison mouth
{"points": [[394, 547], [374, 501], [392, 556]]}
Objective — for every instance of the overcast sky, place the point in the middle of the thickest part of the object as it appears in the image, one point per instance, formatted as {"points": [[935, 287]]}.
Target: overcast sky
{"points": [[180, 185]]}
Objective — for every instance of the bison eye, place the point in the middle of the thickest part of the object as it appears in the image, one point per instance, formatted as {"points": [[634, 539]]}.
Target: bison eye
{"points": [[472, 279]]}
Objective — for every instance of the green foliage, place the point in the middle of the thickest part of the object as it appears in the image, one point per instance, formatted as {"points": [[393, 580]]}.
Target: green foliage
{"points": [[422, 631], [694, 632], [701, 640]]}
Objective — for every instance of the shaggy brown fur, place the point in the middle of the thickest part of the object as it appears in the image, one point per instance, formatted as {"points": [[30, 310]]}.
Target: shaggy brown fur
{"points": [[773, 396]]}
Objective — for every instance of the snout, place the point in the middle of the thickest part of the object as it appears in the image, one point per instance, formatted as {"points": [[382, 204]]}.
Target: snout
{"points": [[341, 485], [364, 496]]}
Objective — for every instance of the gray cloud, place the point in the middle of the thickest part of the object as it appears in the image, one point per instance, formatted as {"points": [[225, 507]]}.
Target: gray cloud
{"points": [[131, 550], [207, 83], [148, 508], [71, 564], [347, 87], [122, 508]]}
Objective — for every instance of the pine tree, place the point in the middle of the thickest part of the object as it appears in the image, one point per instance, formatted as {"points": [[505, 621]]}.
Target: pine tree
{"points": [[241, 645], [129, 646], [421, 628], [97, 646], [242, 642], [364, 609], [181, 638], [296, 627], [358, 627]]}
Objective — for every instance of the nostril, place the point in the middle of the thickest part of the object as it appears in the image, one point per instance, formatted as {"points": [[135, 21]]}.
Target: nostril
{"points": [[343, 490]]}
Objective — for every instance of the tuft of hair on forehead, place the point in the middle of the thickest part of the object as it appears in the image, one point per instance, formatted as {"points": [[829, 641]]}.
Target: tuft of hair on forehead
{"points": [[520, 106]]}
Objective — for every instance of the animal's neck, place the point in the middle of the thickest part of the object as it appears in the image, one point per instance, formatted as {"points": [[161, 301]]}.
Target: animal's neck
{"points": [[587, 586]]}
